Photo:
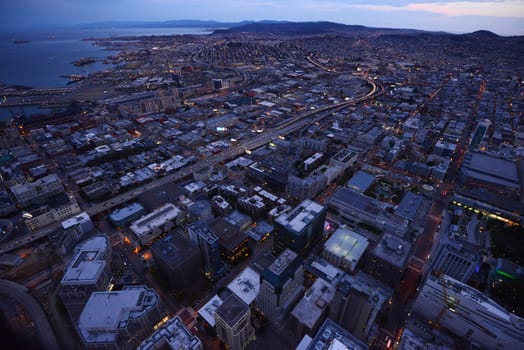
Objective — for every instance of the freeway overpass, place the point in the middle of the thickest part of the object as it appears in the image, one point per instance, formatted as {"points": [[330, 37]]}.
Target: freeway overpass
{"points": [[290, 126]]}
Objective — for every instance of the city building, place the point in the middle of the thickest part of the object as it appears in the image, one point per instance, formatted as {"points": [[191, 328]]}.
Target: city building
{"points": [[469, 314], [233, 242], [331, 336], [456, 260], [312, 309], [388, 260], [344, 159], [45, 215], [281, 285], [119, 320], [312, 162], [233, 323], [299, 229], [361, 181], [178, 259], [353, 208], [246, 285], [200, 234], [200, 210], [87, 272], [172, 335], [358, 302], [82, 222], [307, 187], [35, 192], [345, 248], [152, 225], [491, 171], [410, 205], [207, 312], [124, 216], [253, 206]]}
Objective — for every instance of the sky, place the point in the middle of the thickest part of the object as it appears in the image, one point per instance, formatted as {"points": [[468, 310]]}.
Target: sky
{"points": [[504, 17]]}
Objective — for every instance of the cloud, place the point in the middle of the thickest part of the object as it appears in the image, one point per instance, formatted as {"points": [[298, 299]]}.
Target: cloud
{"points": [[509, 9]]}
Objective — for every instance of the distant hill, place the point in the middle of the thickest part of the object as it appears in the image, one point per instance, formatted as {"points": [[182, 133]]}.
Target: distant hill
{"points": [[183, 23], [297, 28]]}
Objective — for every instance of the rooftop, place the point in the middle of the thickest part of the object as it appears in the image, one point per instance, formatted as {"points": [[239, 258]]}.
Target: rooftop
{"points": [[125, 212], [75, 220], [232, 310], [173, 249], [283, 261], [208, 310], [154, 219], [246, 285], [106, 312], [172, 335], [228, 235], [361, 181], [393, 250], [88, 262], [333, 337], [301, 216], [310, 308], [409, 205], [348, 245]]}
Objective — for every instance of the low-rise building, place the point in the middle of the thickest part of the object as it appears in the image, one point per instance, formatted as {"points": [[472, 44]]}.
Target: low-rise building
{"points": [[34, 192], [124, 216], [152, 225]]}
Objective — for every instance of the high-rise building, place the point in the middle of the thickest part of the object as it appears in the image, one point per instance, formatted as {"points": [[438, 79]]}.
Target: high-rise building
{"points": [[333, 337], [171, 335], [233, 242], [281, 286], [388, 260], [233, 323], [469, 314], [312, 309], [178, 259], [358, 302], [456, 260], [207, 242], [87, 272], [299, 229], [119, 320]]}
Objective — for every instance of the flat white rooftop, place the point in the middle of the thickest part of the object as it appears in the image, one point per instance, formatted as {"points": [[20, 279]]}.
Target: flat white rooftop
{"points": [[208, 311], [75, 220], [246, 285], [88, 262], [154, 219], [107, 312], [348, 245], [301, 216]]}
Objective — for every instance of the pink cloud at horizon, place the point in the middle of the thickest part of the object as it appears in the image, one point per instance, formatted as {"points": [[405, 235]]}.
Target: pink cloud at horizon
{"points": [[510, 9]]}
